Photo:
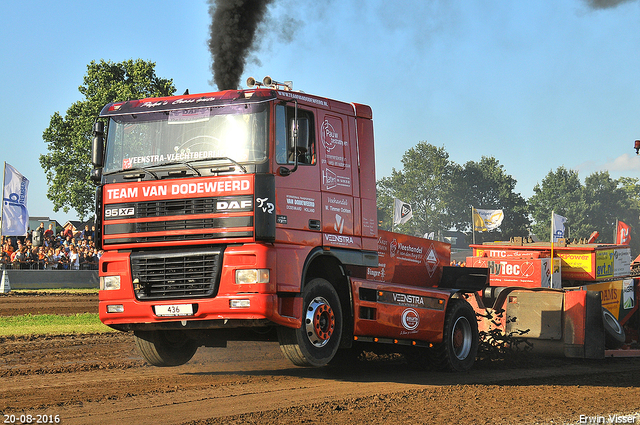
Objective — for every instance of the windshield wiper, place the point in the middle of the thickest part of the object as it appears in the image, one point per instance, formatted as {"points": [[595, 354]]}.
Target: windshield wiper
{"points": [[218, 158], [192, 168], [132, 173]]}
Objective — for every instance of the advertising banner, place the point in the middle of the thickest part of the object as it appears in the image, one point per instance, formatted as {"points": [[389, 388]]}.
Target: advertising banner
{"points": [[628, 294], [402, 212], [622, 234], [621, 262], [485, 220], [409, 260], [610, 294], [15, 217], [528, 273]]}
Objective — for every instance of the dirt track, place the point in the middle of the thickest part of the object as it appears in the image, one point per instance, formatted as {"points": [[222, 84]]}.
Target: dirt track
{"points": [[100, 379]]}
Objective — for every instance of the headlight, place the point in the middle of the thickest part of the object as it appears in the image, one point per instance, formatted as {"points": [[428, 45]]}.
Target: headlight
{"points": [[109, 283], [117, 308], [252, 276]]}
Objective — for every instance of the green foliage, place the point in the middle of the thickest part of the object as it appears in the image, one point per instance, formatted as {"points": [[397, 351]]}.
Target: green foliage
{"points": [[442, 193], [487, 186], [561, 192], [429, 181], [594, 206], [67, 165]]}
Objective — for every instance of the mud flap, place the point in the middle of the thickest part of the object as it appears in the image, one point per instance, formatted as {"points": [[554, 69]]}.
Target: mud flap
{"points": [[594, 329], [583, 325]]}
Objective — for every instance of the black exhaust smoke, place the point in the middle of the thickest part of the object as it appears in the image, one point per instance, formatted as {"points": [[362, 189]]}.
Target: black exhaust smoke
{"points": [[233, 29], [605, 4]]}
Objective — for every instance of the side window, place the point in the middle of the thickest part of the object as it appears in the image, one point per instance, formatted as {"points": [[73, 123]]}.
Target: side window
{"points": [[285, 130]]}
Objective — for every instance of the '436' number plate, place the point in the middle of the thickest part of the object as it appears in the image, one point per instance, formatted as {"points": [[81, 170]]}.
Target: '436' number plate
{"points": [[174, 310]]}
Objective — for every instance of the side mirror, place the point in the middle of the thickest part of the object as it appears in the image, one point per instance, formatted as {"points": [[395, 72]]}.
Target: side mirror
{"points": [[97, 147], [97, 152]]}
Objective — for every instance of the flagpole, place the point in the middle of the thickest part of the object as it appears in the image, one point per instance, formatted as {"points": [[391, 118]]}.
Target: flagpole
{"points": [[551, 280], [4, 174], [615, 233], [393, 216], [473, 226]]}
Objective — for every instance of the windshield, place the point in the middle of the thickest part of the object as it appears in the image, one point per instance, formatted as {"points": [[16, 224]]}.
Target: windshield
{"points": [[236, 132]]}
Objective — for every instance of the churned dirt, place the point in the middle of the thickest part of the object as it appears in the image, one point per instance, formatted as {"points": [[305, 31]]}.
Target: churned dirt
{"points": [[101, 379]]}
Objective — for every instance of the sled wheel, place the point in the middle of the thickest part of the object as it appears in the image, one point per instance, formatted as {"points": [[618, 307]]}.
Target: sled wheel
{"points": [[459, 347], [165, 348], [614, 336], [316, 341]]}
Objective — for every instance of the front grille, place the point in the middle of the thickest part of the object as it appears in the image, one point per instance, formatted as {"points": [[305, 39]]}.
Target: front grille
{"points": [[163, 226], [171, 274], [177, 207]]}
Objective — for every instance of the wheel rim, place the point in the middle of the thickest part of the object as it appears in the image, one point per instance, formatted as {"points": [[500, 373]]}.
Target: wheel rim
{"points": [[612, 322], [461, 338], [320, 322]]}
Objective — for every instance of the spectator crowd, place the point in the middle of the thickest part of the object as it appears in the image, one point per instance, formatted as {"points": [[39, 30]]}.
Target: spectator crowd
{"points": [[43, 249]]}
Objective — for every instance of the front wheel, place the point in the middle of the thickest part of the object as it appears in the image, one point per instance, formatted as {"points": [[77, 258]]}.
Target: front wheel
{"points": [[459, 347], [317, 340], [165, 348]]}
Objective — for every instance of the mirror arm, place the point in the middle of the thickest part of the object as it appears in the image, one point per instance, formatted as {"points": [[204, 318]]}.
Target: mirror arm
{"points": [[284, 171]]}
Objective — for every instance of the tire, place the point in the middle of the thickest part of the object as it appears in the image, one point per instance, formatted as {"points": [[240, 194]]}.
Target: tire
{"points": [[614, 336], [165, 348], [459, 347], [317, 340]]}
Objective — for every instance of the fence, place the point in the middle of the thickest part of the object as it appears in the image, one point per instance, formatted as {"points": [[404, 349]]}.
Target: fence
{"points": [[46, 265], [45, 279]]}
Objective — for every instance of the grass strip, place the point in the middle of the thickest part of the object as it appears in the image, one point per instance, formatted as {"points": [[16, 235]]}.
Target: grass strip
{"points": [[52, 324], [59, 290]]}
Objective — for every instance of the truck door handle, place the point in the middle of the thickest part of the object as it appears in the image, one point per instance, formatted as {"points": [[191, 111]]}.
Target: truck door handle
{"points": [[314, 224]]}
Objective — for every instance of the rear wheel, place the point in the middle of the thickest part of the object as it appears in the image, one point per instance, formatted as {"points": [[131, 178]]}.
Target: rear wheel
{"points": [[317, 340], [459, 347], [614, 336], [165, 348]]}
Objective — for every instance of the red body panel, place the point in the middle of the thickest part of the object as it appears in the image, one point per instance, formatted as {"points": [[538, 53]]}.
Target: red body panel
{"points": [[409, 260], [398, 311]]}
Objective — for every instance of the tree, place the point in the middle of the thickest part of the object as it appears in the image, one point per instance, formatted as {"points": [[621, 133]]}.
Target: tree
{"points": [[560, 192], [431, 183], [67, 165], [594, 206], [487, 186]]}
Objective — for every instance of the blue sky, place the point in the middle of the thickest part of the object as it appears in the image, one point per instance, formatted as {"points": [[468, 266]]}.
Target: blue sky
{"points": [[536, 84]]}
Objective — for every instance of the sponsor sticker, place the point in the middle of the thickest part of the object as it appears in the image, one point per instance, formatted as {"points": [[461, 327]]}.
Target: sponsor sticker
{"points": [[410, 319]]}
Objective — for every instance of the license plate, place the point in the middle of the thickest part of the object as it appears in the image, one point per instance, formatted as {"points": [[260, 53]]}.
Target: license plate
{"points": [[174, 310]]}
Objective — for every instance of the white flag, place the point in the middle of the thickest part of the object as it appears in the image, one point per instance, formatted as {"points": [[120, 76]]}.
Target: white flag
{"points": [[15, 218], [401, 212], [557, 226], [491, 219]]}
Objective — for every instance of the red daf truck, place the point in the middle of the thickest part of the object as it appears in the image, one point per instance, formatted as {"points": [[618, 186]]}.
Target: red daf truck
{"points": [[251, 215]]}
